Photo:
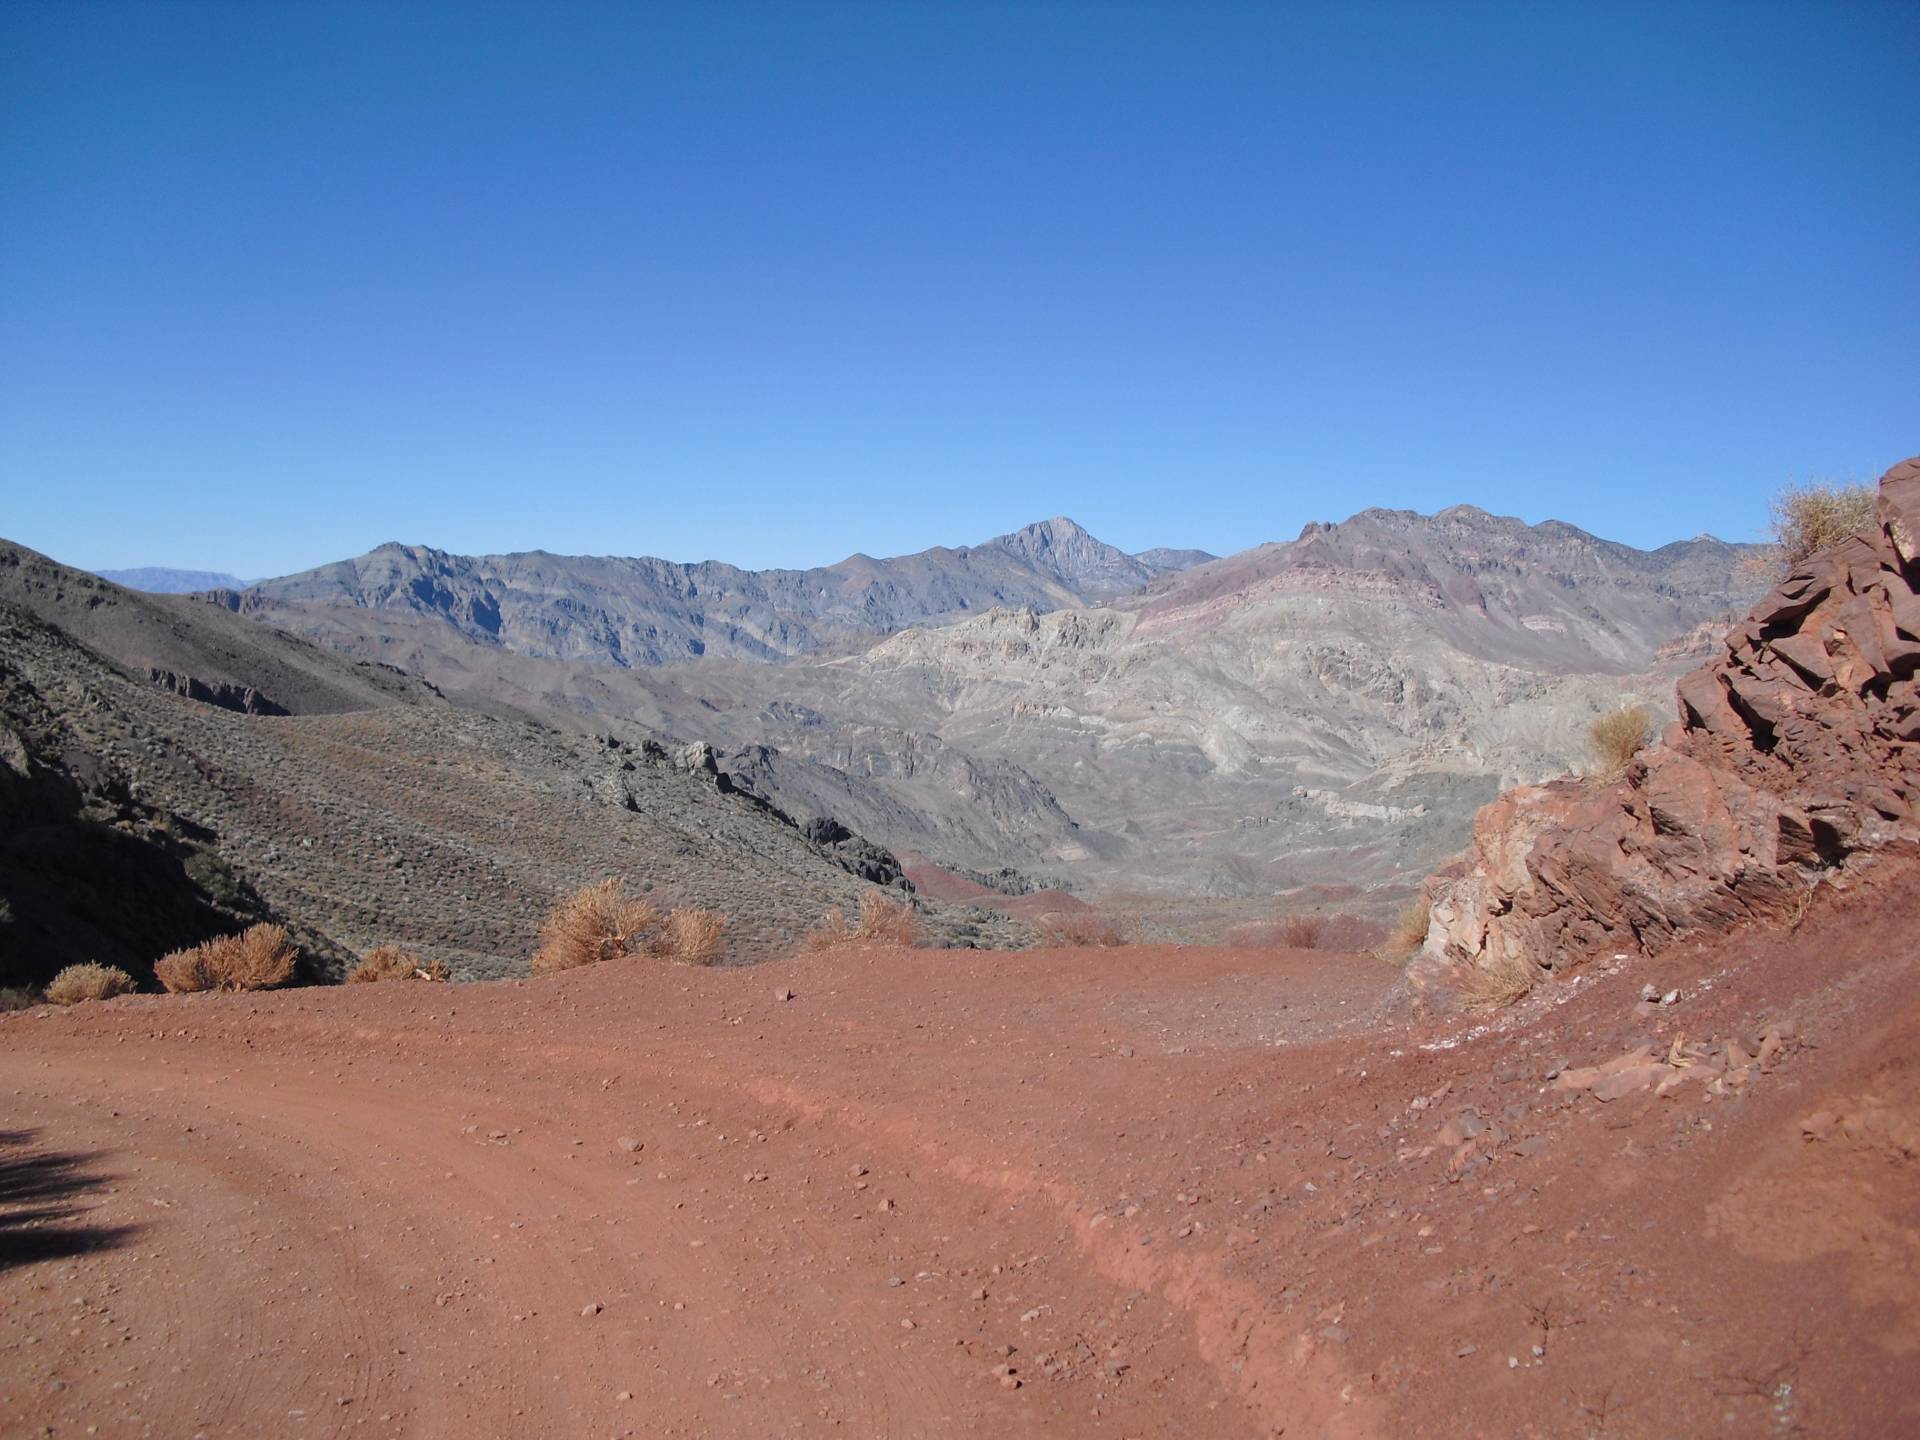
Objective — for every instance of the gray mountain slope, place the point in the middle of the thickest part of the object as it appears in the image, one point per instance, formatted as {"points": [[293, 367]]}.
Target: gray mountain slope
{"points": [[1325, 710], [643, 611]]}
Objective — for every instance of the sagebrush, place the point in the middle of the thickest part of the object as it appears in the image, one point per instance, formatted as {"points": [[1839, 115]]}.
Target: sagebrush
{"points": [[89, 981], [258, 958], [596, 923], [390, 962]]}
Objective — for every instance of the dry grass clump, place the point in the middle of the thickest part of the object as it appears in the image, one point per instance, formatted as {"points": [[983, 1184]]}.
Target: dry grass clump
{"points": [[1409, 931], [1497, 983], [692, 936], [1616, 737], [1080, 930], [258, 958], [831, 931], [390, 962], [887, 922], [90, 981], [882, 922], [599, 922]]}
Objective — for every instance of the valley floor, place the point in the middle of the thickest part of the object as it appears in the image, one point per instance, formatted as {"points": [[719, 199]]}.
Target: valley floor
{"points": [[1118, 1193]]}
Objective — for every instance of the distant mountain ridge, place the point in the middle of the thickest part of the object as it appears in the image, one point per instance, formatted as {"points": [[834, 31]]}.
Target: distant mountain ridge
{"points": [[643, 611], [160, 580]]}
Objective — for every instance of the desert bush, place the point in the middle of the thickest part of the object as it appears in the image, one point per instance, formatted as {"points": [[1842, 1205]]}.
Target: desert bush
{"points": [[693, 937], [831, 931], [258, 958], [1806, 519], [1079, 929], [1616, 737], [599, 922], [1409, 931], [17, 997], [888, 922], [1497, 983], [1300, 932], [390, 962], [90, 981]]}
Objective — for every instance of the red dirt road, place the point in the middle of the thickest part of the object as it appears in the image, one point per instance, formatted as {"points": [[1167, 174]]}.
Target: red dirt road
{"points": [[1112, 1193]]}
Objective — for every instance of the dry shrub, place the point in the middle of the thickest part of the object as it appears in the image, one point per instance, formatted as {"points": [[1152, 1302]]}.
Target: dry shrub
{"points": [[597, 923], [693, 937], [390, 962], [1497, 983], [1409, 932], [258, 958], [17, 997], [1301, 932], [90, 981], [889, 922], [831, 931], [1806, 519], [1079, 929], [1616, 737]]}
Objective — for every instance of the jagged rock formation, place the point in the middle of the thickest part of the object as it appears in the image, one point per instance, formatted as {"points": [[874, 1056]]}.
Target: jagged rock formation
{"points": [[1796, 752]]}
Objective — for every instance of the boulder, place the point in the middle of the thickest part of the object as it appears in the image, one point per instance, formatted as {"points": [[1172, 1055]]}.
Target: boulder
{"points": [[1795, 752]]}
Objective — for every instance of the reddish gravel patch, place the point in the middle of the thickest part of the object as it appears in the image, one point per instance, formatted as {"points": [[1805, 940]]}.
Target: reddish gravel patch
{"points": [[1118, 1193]]}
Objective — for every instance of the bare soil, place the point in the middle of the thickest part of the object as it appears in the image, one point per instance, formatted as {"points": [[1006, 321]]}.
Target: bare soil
{"points": [[875, 1192]]}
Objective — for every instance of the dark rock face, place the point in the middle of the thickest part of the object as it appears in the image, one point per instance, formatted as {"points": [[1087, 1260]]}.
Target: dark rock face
{"points": [[1796, 752], [243, 699]]}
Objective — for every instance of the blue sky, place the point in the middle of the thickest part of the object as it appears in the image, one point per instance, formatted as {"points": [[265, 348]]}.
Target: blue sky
{"points": [[772, 283]]}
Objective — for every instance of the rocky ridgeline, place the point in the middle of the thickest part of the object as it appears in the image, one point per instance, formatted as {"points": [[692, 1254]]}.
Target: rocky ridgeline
{"points": [[1795, 755]]}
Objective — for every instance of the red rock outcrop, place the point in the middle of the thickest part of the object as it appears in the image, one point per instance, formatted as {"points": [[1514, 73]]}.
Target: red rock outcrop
{"points": [[1794, 754]]}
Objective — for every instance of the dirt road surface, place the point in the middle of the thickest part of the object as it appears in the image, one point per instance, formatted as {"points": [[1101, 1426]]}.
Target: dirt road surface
{"points": [[1126, 1193]]}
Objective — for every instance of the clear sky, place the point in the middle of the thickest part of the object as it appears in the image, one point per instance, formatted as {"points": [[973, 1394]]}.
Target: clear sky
{"points": [[775, 282]]}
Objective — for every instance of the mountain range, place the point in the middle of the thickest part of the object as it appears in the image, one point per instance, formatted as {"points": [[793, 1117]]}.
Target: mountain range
{"points": [[160, 580], [1323, 711], [643, 611]]}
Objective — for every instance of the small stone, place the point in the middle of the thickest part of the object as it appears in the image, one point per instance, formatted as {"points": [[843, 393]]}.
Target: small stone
{"points": [[1464, 1351], [1513, 1362], [1672, 997], [624, 1395], [906, 1324], [631, 1145], [1539, 1352], [783, 993], [591, 1310], [895, 1281], [980, 1292]]}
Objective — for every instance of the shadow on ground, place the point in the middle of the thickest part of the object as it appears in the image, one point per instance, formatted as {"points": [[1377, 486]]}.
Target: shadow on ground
{"points": [[40, 1213]]}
